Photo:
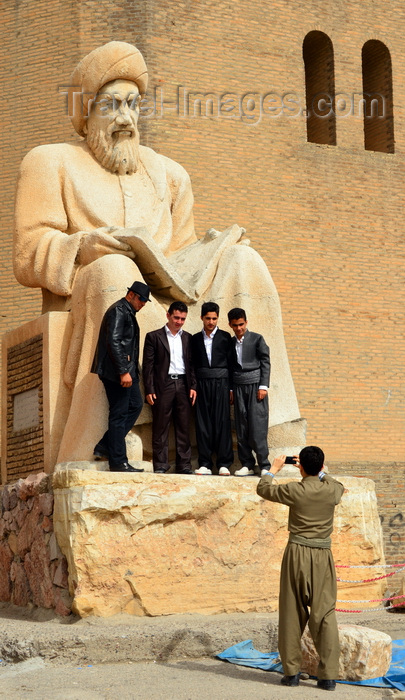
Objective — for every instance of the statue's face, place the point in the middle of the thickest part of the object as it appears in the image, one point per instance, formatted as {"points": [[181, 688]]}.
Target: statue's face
{"points": [[115, 110], [111, 129]]}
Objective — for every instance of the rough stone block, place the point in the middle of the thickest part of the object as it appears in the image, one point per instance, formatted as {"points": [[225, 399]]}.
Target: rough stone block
{"points": [[13, 542], [54, 549], [12, 498], [36, 565], [5, 498], [364, 653], [155, 545], [21, 594], [32, 485], [62, 601], [60, 578], [21, 513], [6, 557], [46, 503], [26, 534], [47, 524]]}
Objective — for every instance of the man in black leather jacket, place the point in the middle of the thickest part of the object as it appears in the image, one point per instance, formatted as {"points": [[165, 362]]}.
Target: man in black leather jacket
{"points": [[116, 363]]}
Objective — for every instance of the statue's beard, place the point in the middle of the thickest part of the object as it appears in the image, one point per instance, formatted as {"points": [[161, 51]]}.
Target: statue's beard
{"points": [[116, 151]]}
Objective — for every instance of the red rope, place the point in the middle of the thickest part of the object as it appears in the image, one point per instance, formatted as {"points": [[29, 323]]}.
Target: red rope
{"points": [[366, 566], [366, 580]]}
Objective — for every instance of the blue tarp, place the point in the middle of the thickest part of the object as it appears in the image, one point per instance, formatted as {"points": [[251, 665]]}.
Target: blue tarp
{"points": [[245, 654]]}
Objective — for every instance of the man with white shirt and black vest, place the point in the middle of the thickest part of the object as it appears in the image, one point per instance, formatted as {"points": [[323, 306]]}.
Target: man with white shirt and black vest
{"points": [[211, 352], [250, 380], [170, 388]]}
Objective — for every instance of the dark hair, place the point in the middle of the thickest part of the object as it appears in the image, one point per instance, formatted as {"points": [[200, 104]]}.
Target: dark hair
{"points": [[311, 460], [209, 307], [236, 313], [177, 306]]}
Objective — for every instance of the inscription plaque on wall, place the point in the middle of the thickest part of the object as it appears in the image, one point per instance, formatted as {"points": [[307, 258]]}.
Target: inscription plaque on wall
{"points": [[26, 410]]}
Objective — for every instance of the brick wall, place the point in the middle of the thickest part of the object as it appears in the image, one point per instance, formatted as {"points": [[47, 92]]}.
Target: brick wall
{"points": [[390, 492], [25, 444], [327, 219]]}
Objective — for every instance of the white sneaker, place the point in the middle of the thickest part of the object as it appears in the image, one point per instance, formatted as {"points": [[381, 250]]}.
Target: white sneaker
{"points": [[264, 472], [224, 471], [244, 471], [203, 471]]}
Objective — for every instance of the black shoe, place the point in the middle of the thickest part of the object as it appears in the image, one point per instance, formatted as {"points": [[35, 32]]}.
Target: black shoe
{"points": [[291, 680], [326, 684], [186, 470], [161, 470], [125, 467]]}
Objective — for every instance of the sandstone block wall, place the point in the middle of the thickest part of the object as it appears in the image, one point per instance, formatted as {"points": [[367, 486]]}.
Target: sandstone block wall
{"points": [[33, 570]]}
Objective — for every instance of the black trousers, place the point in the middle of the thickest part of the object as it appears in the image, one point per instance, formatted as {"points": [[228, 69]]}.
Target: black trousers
{"points": [[125, 405], [251, 422], [172, 404], [213, 422]]}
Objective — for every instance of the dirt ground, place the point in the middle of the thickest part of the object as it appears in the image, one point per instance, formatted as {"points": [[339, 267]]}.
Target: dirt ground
{"points": [[44, 657]]}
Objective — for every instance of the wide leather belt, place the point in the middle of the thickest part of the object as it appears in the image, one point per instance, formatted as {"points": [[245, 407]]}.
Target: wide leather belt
{"points": [[176, 376]]}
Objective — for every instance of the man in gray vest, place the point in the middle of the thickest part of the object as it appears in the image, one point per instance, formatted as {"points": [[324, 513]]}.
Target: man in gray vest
{"points": [[250, 380]]}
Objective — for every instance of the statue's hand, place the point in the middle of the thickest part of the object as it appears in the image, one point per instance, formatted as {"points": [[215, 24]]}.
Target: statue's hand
{"points": [[100, 242]]}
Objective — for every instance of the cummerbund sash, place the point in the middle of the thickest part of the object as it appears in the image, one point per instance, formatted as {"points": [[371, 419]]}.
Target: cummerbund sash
{"points": [[211, 372], [246, 377], [318, 542]]}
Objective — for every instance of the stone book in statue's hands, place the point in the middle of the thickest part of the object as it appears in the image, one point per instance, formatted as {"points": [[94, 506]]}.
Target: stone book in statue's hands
{"points": [[186, 274]]}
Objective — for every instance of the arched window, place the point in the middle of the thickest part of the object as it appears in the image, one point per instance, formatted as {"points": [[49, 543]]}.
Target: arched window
{"points": [[377, 98], [317, 51]]}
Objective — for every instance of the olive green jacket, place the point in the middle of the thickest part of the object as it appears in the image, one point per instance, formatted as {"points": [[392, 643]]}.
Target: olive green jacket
{"points": [[311, 501]]}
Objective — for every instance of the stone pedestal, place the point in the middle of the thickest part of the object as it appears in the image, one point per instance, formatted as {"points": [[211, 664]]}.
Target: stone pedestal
{"points": [[151, 544]]}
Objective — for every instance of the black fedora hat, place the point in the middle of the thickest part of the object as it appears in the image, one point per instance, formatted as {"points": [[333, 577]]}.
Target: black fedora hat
{"points": [[141, 289]]}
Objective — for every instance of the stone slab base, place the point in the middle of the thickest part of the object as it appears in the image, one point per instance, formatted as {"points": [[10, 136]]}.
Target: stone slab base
{"points": [[151, 544]]}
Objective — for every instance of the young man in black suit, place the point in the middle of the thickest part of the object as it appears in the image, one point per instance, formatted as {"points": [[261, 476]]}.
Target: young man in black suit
{"points": [[116, 363], [211, 352], [250, 379], [170, 388]]}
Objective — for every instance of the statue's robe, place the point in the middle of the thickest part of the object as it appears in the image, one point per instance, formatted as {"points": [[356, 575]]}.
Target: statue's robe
{"points": [[63, 192]]}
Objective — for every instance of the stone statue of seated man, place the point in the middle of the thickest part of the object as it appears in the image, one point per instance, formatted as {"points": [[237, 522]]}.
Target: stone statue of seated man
{"points": [[94, 216]]}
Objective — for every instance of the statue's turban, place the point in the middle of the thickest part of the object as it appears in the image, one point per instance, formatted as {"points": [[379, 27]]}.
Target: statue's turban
{"points": [[116, 60]]}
